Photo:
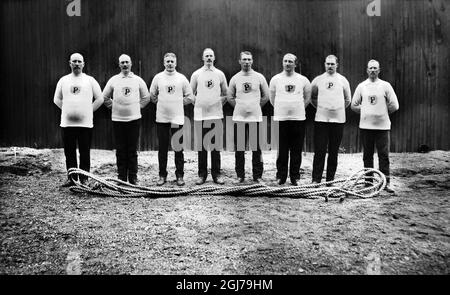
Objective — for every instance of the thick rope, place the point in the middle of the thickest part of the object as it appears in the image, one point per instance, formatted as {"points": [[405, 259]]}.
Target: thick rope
{"points": [[355, 186]]}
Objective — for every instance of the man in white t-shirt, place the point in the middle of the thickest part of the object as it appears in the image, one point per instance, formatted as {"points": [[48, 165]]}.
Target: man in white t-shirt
{"points": [[290, 94], [330, 95], [129, 94], [170, 91], [78, 96], [375, 99], [209, 86], [248, 93]]}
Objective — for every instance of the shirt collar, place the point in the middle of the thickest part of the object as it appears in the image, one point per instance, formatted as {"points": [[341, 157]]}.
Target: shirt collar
{"points": [[130, 75], [205, 68]]}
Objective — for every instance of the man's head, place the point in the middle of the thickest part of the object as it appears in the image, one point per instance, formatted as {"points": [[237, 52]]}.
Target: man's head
{"points": [[246, 60], [170, 61], [76, 63], [331, 63], [208, 57], [125, 63], [289, 62], [373, 69]]}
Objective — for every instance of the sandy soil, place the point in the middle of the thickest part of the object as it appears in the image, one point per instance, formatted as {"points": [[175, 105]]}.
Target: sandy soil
{"points": [[46, 229]]}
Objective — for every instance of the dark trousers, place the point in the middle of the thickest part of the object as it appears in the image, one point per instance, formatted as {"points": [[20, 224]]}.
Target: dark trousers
{"points": [[327, 136], [203, 159], [381, 140], [291, 137], [126, 135], [165, 132], [81, 136], [257, 161]]}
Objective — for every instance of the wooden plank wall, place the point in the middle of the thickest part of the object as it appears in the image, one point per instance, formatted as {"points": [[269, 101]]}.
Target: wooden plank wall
{"points": [[410, 39]]}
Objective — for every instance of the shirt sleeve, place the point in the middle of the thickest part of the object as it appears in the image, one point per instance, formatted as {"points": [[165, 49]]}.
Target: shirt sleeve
{"points": [[356, 100], [107, 94], [272, 90], [97, 92], [143, 92], [154, 89], [187, 91], [264, 90], [231, 92], [347, 92], [314, 91], [391, 99], [306, 92], [57, 98]]}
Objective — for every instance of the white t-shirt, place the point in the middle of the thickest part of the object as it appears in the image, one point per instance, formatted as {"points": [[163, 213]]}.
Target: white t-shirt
{"points": [[208, 85], [248, 88], [289, 96], [127, 91], [331, 101], [375, 100], [170, 88], [76, 94]]}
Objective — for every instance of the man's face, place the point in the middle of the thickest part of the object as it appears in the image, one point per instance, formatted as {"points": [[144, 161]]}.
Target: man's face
{"points": [[170, 63], [77, 65], [208, 57], [125, 65], [373, 70], [246, 62], [330, 65], [289, 63]]}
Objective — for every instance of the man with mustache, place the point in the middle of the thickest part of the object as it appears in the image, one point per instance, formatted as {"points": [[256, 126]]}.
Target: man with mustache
{"points": [[209, 86], [330, 95], [78, 96], [248, 93], [290, 94], [170, 91], [374, 99], [126, 94]]}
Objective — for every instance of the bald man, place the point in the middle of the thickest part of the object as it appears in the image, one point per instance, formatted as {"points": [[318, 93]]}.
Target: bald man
{"points": [[330, 95], [290, 94], [126, 94], [78, 96], [374, 100], [209, 87]]}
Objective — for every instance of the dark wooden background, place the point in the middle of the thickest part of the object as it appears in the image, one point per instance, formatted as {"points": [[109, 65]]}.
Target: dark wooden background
{"points": [[410, 39]]}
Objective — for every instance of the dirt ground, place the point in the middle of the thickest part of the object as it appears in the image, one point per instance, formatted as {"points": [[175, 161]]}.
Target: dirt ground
{"points": [[46, 229]]}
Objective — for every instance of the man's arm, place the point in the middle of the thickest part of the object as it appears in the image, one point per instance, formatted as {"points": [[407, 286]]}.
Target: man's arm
{"points": [[347, 93], [272, 91], [391, 99], [107, 94], [187, 92], [154, 90], [144, 94], [264, 88], [194, 85], [357, 100], [231, 93], [58, 97], [314, 93], [97, 91], [223, 88], [307, 93]]}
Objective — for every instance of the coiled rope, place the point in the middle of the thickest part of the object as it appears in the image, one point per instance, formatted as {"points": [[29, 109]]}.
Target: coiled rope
{"points": [[357, 186]]}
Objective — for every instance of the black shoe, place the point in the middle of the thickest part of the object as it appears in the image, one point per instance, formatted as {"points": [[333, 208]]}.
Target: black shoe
{"points": [[161, 181], [281, 181], [133, 180], [294, 182], [389, 190], [122, 178], [68, 183], [315, 182], [200, 180], [180, 181], [218, 180]]}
